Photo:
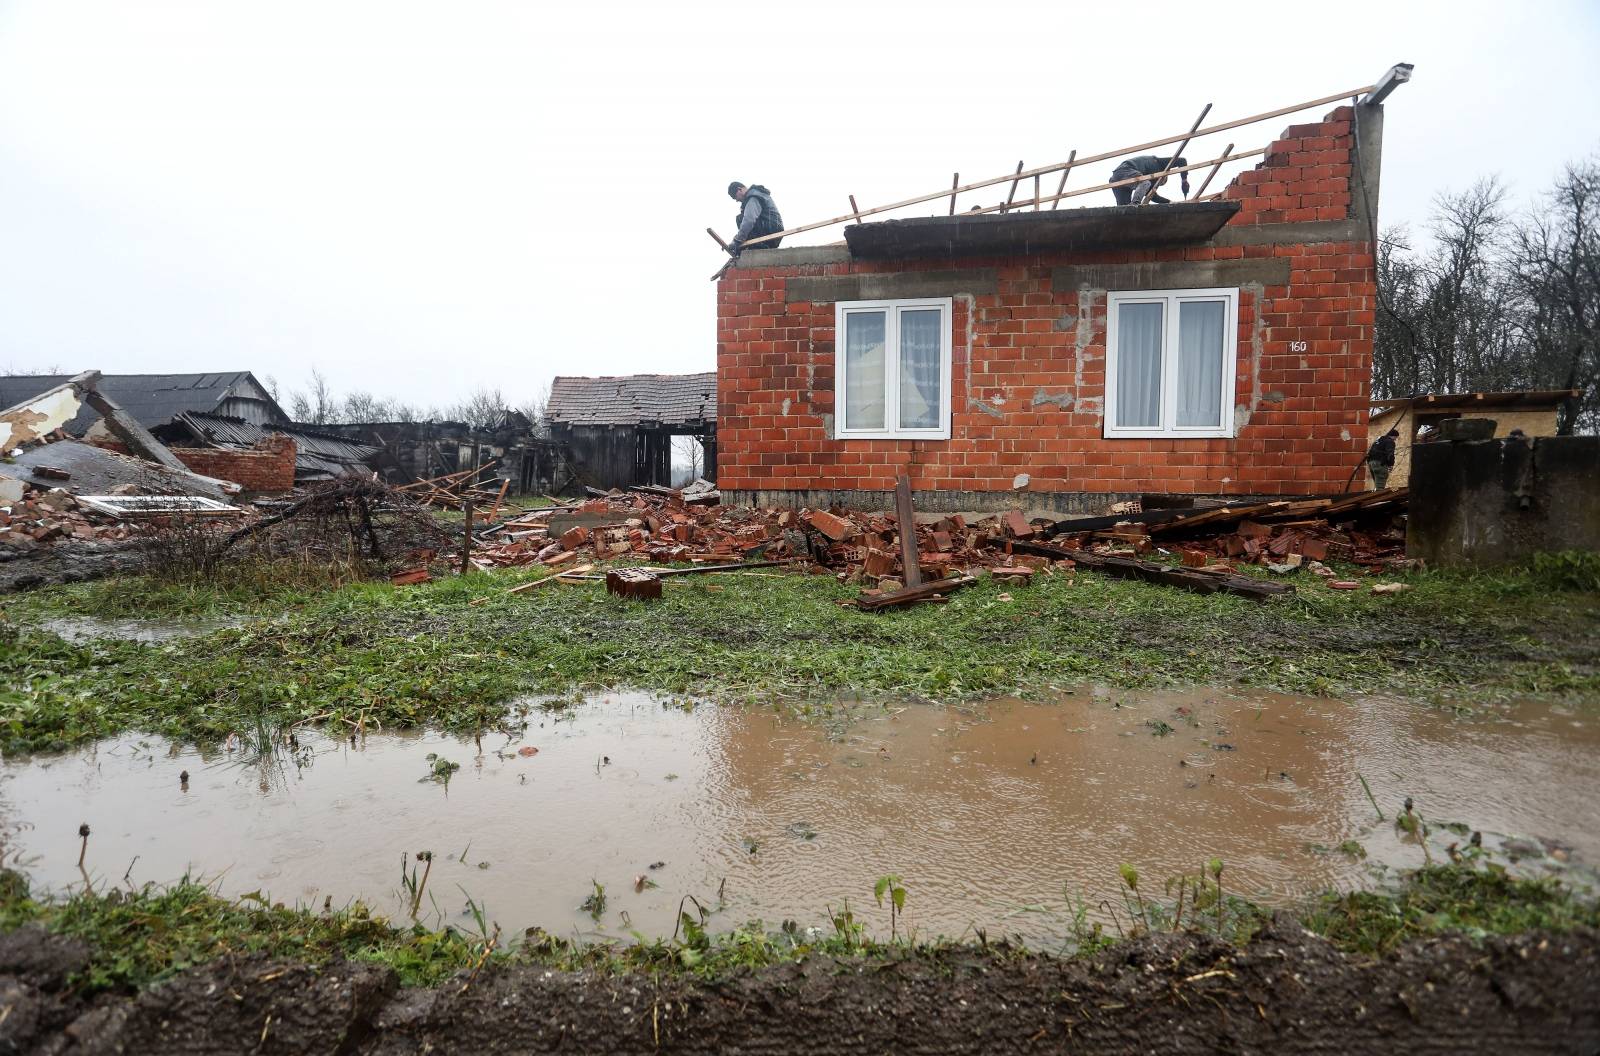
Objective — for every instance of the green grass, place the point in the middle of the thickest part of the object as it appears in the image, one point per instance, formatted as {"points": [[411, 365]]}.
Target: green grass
{"points": [[452, 653], [139, 937]]}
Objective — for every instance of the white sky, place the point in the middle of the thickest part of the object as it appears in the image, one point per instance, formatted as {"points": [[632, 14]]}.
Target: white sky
{"points": [[420, 199]]}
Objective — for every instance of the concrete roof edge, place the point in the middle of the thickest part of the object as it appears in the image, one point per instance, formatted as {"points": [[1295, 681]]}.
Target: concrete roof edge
{"points": [[756, 257]]}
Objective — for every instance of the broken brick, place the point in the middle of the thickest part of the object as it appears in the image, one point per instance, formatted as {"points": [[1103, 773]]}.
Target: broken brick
{"points": [[1017, 525], [836, 528]]}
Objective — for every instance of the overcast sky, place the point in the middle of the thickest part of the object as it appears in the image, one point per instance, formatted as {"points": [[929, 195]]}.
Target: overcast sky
{"points": [[420, 199]]}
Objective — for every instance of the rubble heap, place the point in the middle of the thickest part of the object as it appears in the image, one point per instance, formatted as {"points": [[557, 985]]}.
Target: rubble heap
{"points": [[658, 525]]}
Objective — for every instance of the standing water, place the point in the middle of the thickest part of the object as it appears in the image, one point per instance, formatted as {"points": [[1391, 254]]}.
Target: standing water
{"points": [[995, 816]]}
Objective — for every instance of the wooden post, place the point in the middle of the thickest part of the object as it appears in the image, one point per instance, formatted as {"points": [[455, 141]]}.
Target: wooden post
{"points": [[1017, 179], [1036, 194], [906, 520], [1063, 184], [466, 539], [717, 239], [1156, 185], [1133, 179], [955, 181], [1225, 152], [854, 208]]}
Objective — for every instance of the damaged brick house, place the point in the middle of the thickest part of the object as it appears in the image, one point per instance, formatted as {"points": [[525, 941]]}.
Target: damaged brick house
{"points": [[1087, 356]]}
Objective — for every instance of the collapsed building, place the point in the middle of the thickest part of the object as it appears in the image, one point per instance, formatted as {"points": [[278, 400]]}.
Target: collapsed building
{"points": [[221, 424], [1220, 346], [619, 431]]}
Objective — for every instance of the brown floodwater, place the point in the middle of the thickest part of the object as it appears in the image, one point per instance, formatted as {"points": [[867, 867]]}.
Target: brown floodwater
{"points": [[995, 816]]}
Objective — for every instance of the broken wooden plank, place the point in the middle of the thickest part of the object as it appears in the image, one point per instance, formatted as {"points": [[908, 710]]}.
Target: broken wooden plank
{"points": [[906, 522], [906, 595], [1132, 568], [567, 574], [1077, 525]]}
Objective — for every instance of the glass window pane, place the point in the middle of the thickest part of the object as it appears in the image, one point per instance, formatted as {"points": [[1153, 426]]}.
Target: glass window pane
{"points": [[863, 369], [919, 368], [1200, 326], [1139, 366]]}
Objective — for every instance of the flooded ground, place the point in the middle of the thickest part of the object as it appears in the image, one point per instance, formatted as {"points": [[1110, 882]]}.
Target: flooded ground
{"points": [[89, 628], [995, 816]]}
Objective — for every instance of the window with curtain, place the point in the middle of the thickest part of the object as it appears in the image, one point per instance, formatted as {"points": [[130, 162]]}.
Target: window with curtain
{"points": [[1170, 358], [892, 369]]}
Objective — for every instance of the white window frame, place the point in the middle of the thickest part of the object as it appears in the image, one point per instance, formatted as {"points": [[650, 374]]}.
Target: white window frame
{"points": [[1169, 361], [891, 358]]}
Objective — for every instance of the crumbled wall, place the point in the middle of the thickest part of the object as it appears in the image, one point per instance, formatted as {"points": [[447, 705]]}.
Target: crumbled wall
{"points": [[266, 469], [1029, 356]]}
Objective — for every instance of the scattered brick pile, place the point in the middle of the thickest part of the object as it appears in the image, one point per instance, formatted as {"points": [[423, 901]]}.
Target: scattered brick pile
{"points": [[661, 527], [43, 517]]}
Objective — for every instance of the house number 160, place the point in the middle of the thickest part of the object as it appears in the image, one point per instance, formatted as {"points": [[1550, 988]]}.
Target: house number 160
{"points": [[1297, 346]]}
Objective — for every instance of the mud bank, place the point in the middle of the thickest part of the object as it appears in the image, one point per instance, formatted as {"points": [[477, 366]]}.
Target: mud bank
{"points": [[68, 562], [1287, 991]]}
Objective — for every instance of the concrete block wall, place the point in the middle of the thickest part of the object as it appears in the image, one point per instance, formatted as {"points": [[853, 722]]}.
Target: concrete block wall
{"points": [[1029, 355], [265, 470], [1495, 502]]}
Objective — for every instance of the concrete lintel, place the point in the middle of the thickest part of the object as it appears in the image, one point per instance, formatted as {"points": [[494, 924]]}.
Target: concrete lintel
{"points": [[1172, 274], [883, 286], [1304, 232], [756, 257]]}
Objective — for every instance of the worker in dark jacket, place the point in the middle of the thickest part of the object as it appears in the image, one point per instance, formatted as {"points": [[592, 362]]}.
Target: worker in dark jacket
{"points": [[1145, 165], [758, 216], [1380, 458]]}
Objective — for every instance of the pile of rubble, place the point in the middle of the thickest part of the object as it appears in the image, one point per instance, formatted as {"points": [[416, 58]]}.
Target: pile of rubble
{"points": [[661, 526], [42, 516]]}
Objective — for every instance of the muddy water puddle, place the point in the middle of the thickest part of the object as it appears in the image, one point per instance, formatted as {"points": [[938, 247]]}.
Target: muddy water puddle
{"points": [[994, 816], [140, 629]]}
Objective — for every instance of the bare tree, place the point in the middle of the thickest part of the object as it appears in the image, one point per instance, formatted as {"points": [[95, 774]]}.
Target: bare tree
{"points": [[1557, 268], [689, 454], [484, 409], [1497, 300], [316, 407]]}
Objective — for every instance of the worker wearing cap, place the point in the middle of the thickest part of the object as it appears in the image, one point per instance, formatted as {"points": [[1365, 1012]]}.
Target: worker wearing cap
{"points": [[1145, 165], [1380, 458], [758, 217]]}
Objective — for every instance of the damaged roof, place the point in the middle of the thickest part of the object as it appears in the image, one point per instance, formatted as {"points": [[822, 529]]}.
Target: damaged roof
{"points": [[317, 455], [153, 399], [634, 399], [1108, 227]]}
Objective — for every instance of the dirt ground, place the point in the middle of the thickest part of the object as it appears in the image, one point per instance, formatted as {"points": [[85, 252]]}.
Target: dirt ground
{"points": [[1286, 992]]}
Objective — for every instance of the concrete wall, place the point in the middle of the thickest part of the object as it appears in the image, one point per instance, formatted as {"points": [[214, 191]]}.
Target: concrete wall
{"points": [[1498, 501], [1029, 352]]}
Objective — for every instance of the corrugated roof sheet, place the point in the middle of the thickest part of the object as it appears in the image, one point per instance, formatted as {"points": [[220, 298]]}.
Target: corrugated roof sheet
{"points": [[154, 399], [317, 454], [634, 399]]}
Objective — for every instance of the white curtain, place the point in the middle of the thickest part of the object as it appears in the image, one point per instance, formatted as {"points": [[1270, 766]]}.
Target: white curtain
{"points": [[1200, 326], [1139, 366], [919, 368], [864, 378]]}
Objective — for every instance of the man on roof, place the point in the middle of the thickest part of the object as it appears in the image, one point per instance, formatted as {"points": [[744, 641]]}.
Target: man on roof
{"points": [[1145, 165], [757, 217]]}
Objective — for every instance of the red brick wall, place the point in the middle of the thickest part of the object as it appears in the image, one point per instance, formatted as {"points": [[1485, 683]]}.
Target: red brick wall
{"points": [[269, 468], [1300, 418]]}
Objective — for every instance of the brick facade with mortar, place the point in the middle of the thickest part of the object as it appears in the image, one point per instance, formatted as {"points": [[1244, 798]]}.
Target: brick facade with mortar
{"points": [[1028, 372], [268, 469]]}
